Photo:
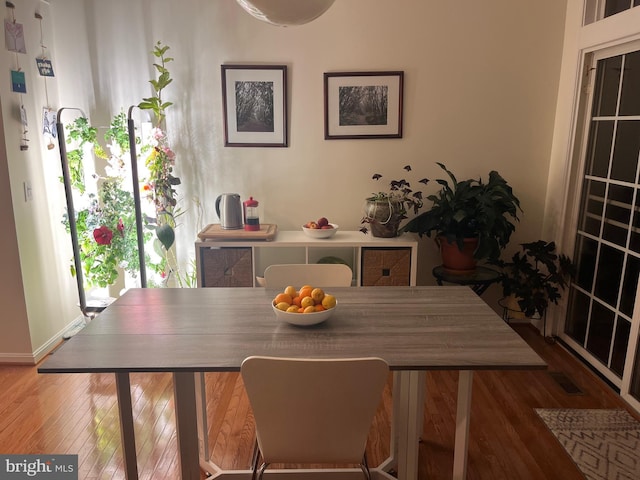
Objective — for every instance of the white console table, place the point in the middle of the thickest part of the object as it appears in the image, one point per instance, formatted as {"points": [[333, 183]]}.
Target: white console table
{"points": [[374, 261]]}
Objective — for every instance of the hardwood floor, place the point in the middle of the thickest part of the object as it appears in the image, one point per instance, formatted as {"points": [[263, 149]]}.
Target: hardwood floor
{"points": [[78, 414]]}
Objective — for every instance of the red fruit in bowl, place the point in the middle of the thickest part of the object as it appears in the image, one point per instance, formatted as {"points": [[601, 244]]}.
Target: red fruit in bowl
{"points": [[327, 227], [322, 222], [312, 225]]}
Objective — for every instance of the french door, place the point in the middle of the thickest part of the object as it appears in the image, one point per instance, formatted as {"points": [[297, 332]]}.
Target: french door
{"points": [[601, 324]]}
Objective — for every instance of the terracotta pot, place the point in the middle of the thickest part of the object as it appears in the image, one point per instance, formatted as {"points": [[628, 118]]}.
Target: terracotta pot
{"points": [[384, 217], [455, 260]]}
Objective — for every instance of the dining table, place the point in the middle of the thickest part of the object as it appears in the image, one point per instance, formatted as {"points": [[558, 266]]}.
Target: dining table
{"points": [[191, 331]]}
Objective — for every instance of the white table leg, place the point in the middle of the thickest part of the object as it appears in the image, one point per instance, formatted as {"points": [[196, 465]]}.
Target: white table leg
{"points": [[201, 412], [463, 417], [409, 422], [127, 433], [184, 389]]}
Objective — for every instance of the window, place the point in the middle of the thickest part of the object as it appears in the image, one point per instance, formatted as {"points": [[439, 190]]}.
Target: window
{"points": [[599, 9]]}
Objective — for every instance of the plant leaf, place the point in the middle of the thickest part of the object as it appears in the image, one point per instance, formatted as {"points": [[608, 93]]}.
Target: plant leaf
{"points": [[166, 235]]}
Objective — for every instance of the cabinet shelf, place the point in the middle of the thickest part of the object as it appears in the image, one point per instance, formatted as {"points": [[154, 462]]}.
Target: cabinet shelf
{"points": [[373, 260]]}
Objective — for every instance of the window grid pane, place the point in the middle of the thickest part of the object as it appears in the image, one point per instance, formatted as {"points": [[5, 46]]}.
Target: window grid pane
{"points": [[601, 299]]}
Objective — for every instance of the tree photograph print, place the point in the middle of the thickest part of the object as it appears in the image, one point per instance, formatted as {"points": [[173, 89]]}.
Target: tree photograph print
{"points": [[364, 105], [254, 102], [254, 106]]}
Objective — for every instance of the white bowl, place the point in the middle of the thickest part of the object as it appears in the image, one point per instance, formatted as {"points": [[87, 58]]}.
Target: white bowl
{"points": [[303, 319], [321, 232]]}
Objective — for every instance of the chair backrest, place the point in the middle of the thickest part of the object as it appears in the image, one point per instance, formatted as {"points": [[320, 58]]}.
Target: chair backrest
{"points": [[313, 411], [315, 274]]}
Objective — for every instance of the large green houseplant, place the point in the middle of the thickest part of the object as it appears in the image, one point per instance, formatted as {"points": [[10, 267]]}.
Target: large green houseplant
{"points": [[535, 277], [474, 216]]}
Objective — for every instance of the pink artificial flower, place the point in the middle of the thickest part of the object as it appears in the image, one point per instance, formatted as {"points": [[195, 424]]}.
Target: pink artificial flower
{"points": [[169, 153], [103, 235], [157, 133], [121, 227]]}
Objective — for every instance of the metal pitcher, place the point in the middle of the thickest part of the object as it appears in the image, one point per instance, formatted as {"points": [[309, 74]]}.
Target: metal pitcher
{"points": [[229, 210]]}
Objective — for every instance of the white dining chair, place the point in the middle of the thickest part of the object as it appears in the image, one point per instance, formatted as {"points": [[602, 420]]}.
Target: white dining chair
{"points": [[313, 411], [315, 274]]}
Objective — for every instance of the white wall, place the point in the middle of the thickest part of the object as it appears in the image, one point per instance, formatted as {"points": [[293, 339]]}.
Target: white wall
{"points": [[49, 291], [481, 81], [15, 338]]}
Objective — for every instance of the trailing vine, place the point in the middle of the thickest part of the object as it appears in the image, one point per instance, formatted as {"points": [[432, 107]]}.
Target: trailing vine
{"points": [[160, 162]]}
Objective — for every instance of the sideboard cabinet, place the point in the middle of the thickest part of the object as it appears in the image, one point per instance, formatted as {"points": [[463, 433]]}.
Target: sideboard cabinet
{"points": [[373, 260]]}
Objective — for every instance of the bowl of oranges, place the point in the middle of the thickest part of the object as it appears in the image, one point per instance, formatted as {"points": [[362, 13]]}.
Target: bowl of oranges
{"points": [[307, 306]]}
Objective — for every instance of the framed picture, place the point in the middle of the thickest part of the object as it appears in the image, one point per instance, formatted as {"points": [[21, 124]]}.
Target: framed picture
{"points": [[255, 105], [363, 105]]}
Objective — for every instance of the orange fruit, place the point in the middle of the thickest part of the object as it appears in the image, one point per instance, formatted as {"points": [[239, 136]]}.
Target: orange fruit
{"points": [[310, 309], [305, 291], [283, 297], [291, 290], [307, 302], [319, 308], [317, 294], [292, 309], [329, 301], [297, 301], [282, 306]]}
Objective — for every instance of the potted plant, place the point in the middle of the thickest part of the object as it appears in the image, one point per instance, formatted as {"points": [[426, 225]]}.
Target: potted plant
{"points": [[534, 277], [384, 211], [471, 220]]}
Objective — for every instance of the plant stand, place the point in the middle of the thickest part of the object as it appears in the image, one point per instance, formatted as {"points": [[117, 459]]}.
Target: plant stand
{"points": [[92, 307], [479, 279], [509, 313]]}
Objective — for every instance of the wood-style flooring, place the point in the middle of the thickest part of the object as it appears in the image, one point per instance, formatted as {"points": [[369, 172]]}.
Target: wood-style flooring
{"points": [[77, 414]]}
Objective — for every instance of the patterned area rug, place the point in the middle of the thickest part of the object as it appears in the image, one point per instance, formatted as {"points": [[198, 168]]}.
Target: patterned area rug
{"points": [[604, 444]]}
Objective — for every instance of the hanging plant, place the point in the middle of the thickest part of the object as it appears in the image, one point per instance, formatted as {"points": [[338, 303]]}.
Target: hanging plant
{"points": [[80, 133], [160, 162], [105, 220]]}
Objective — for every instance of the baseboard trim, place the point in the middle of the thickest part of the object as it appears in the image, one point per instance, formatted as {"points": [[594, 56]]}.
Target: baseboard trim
{"points": [[17, 359], [20, 358]]}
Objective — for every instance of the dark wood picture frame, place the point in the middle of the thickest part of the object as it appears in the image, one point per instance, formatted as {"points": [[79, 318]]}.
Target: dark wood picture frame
{"points": [[362, 105], [255, 105]]}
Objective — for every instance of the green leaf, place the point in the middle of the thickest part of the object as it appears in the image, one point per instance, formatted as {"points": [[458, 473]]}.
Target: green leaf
{"points": [[166, 235], [160, 68], [145, 104], [158, 248]]}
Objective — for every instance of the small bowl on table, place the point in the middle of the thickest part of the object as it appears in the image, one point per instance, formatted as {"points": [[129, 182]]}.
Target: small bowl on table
{"points": [[303, 319], [321, 232]]}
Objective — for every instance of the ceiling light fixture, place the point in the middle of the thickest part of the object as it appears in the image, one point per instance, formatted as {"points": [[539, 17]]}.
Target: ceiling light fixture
{"points": [[286, 12]]}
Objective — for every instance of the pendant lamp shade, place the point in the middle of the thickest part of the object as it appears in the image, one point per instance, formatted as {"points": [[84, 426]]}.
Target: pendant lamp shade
{"points": [[286, 12]]}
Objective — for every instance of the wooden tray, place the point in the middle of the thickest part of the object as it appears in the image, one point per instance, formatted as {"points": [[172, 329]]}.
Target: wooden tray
{"points": [[215, 232]]}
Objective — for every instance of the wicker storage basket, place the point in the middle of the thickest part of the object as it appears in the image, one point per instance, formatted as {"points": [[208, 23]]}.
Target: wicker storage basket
{"points": [[227, 267], [386, 266]]}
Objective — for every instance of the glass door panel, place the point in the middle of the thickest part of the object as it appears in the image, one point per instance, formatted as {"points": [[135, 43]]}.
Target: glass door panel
{"points": [[629, 98], [634, 388], [621, 340], [625, 152], [607, 254]]}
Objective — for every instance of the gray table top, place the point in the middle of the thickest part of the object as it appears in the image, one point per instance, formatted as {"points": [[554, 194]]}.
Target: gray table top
{"points": [[214, 329]]}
